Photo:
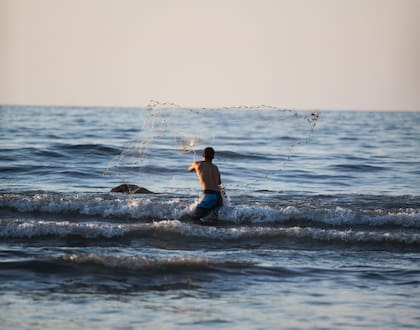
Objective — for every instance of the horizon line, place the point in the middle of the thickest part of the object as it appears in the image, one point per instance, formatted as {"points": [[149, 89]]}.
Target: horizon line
{"points": [[170, 105]]}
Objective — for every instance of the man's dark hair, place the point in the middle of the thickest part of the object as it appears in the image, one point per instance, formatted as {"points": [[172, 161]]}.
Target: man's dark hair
{"points": [[208, 153]]}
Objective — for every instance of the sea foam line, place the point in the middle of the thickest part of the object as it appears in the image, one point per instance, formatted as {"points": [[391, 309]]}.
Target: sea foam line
{"points": [[92, 205], [139, 208], [149, 262], [33, 229]]}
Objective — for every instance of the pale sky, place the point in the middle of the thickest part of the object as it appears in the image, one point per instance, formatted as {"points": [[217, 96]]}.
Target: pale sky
{"points": [[296, 54]]}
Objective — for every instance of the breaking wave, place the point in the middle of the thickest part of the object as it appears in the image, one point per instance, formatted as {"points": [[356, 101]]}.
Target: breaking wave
{"points": [[113, 216], [175, 229], [124, 208]]}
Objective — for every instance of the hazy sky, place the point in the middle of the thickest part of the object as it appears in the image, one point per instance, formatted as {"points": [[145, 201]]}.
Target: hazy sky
{"points": [[299, 54]]}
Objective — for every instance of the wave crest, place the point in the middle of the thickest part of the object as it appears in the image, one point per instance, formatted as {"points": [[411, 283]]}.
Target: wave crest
{"points": [[182, 232], [159, 207]]}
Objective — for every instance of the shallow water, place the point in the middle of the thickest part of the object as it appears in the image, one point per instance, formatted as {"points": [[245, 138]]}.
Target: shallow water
{"points": [[321, 229]]}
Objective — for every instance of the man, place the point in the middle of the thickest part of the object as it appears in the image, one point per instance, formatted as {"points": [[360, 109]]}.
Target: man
{"points": [[209, 177]]}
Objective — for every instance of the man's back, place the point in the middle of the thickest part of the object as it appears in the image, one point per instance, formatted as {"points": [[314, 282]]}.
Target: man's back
{"points": [[208, 175]]}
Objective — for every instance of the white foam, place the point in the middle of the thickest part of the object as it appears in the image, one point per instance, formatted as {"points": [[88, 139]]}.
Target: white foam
{"points": [[34, 229], [146, 262], [404, 217], [128, 207], [245, 232], [30, 229]]}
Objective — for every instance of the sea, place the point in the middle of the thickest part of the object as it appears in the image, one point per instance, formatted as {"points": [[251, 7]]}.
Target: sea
{"points": [[320, 228]]}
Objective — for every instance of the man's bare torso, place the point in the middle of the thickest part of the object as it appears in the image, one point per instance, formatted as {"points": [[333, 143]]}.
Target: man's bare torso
{"points": [[208, 175]]}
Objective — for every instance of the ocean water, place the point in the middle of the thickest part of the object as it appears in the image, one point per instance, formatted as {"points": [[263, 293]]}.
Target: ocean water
{"points": [[321, 229]]}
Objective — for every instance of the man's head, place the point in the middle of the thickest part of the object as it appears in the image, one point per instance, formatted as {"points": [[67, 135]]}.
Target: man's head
{"points": [[208, 153]]}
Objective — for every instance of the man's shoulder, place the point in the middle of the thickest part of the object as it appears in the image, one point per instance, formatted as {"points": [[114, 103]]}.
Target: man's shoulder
{"points": [[215, 167], [206, 164]]}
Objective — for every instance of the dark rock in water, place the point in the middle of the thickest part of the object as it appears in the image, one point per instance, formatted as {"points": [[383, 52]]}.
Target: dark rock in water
{"points": [[131, 189]]}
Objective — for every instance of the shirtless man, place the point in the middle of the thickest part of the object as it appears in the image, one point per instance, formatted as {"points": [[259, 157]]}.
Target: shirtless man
{"points": [[209, 177]]}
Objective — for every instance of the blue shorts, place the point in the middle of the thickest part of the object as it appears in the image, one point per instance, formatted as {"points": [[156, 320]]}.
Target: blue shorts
{"points": [[210, 200]]}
